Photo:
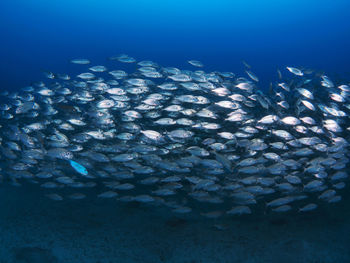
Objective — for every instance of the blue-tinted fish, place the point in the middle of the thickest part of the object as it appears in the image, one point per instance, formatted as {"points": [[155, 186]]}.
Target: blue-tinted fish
{"points": [[78, 167]]}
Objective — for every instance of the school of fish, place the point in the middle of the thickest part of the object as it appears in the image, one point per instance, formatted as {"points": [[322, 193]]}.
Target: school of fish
{"points": [[200, 142]]}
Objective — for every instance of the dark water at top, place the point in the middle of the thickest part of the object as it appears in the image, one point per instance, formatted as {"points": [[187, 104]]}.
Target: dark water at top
{"points": [[38, 35]]}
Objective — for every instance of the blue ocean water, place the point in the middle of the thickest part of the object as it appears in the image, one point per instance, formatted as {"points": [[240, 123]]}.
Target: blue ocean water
{"points": [[40, 35], [43, 35]]}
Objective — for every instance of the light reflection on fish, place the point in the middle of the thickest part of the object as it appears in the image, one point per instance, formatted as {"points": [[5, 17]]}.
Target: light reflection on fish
{"points": [[180, 138]]}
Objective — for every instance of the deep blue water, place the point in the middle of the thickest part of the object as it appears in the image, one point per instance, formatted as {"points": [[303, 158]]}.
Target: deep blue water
{"points": [[38, 35], [43, 35]]}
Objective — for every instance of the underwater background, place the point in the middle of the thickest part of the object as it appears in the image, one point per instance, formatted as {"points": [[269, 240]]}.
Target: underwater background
{"points": [[44, 35], [39, 35]]}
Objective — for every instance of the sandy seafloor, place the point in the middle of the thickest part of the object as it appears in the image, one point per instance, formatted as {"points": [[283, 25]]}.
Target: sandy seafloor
{"points": [[36, 229]]}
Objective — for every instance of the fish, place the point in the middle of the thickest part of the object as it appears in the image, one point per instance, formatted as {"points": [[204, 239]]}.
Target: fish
{"points": [[295, 71], [196, 63], [80, 61], [279, 74], [252, 76], [209, 143], [246, 64], [78, 167]]}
